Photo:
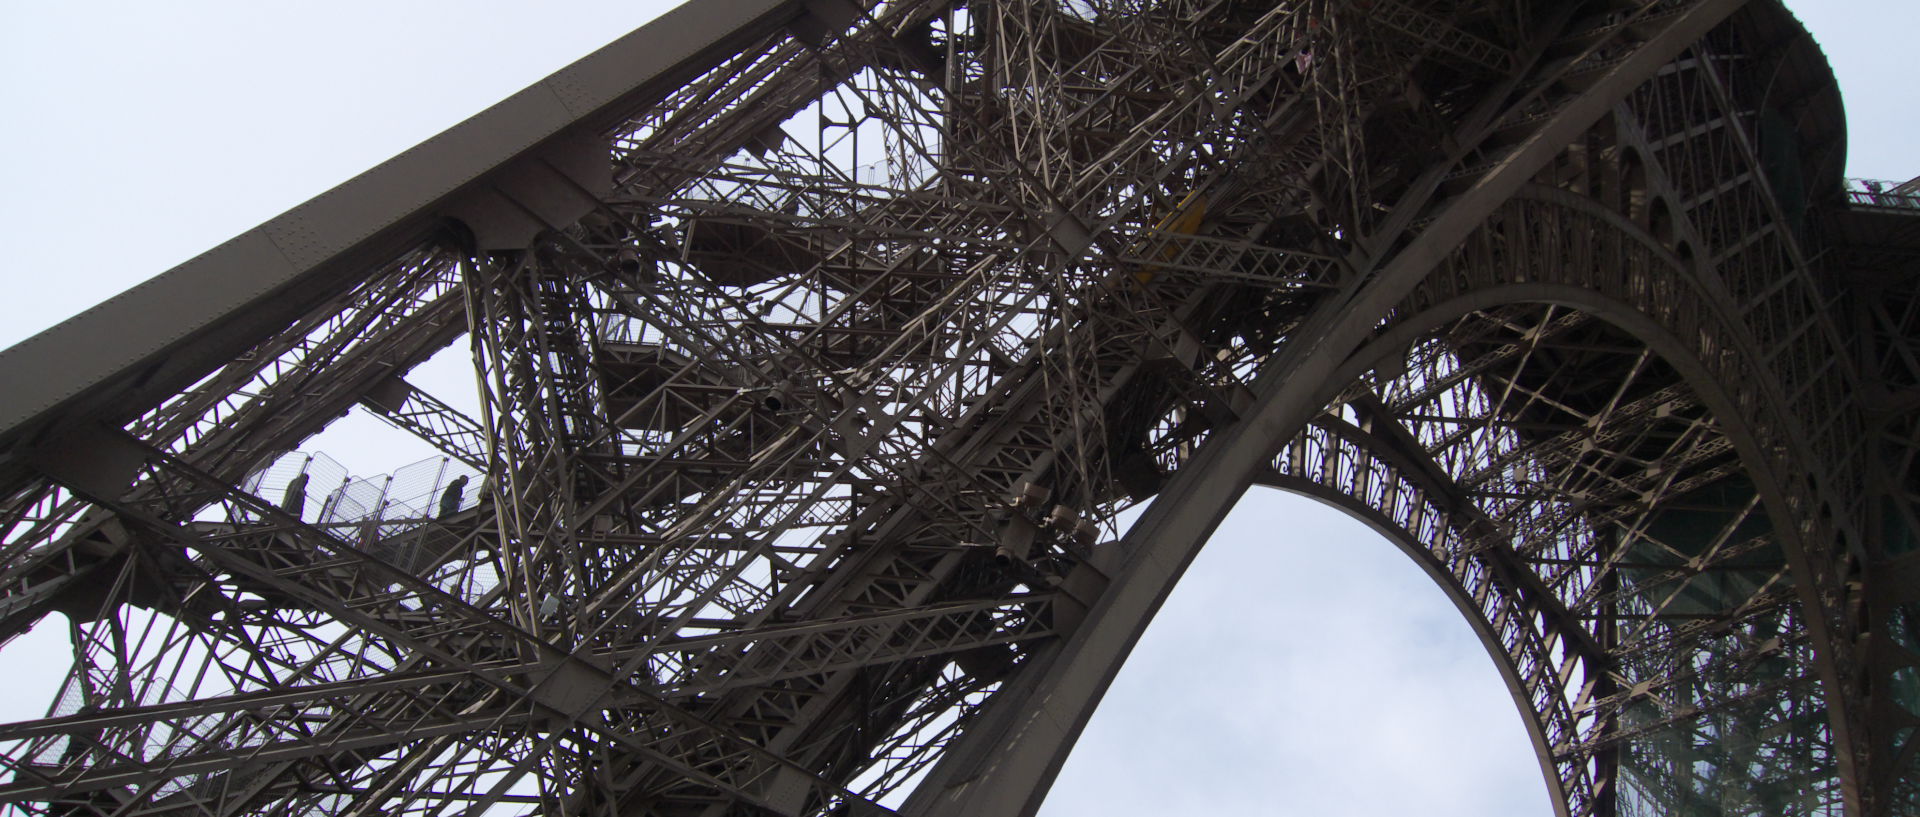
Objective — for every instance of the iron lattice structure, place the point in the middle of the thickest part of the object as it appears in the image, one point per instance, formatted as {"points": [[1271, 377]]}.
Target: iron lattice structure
{"points": [[821, 345]]}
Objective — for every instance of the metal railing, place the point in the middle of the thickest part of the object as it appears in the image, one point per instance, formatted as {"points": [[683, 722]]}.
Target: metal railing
{"points": [[330, 499], [1883, 194]]}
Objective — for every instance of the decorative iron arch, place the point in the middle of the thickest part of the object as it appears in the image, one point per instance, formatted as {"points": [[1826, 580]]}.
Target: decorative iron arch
{"points": [[802, 464], [1643, 289]]}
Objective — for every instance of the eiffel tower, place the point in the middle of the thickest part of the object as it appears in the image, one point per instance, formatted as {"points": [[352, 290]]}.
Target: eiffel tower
{"points": [[856, 379]]}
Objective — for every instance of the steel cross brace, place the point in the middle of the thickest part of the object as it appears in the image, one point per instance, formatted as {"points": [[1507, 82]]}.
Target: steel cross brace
{"points": [[373, 613], [1005, 764]]}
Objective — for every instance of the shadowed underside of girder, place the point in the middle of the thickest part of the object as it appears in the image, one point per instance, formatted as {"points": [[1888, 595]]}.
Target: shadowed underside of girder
{"points": [[819, 347]]}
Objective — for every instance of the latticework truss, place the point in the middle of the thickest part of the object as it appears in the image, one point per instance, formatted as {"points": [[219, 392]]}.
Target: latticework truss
{"points": [[821, 345]]}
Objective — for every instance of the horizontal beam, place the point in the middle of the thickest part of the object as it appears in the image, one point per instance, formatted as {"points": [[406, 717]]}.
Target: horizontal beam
{"points": [[125, 355]]}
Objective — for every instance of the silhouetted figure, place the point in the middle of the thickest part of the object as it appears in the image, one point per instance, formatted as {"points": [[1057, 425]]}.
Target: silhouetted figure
{"points": [[450, 499], [294, 500]]}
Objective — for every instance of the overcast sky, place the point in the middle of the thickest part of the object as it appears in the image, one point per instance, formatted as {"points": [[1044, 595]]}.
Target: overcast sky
{"points": [[1303, 666]]}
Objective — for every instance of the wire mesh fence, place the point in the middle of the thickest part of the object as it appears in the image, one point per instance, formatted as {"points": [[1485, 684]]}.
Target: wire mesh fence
{"points": [[1885, 194], [323, 493]]}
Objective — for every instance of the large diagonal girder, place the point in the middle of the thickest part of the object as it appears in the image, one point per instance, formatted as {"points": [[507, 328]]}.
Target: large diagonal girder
{"points": [[821, 344]]}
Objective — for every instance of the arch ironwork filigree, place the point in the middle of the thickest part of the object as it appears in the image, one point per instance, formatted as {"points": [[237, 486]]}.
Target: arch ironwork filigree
{"points": [[820, 345]]}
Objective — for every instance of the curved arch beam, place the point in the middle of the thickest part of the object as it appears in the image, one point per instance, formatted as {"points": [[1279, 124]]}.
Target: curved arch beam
{"points": [[1006, 761], [1209, 484], [1465, 549], [1410, 524], [1686, 322]]}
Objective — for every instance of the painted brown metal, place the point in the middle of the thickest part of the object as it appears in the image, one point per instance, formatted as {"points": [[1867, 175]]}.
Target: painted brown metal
{"points": [[821, 344], [164, 334]]}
